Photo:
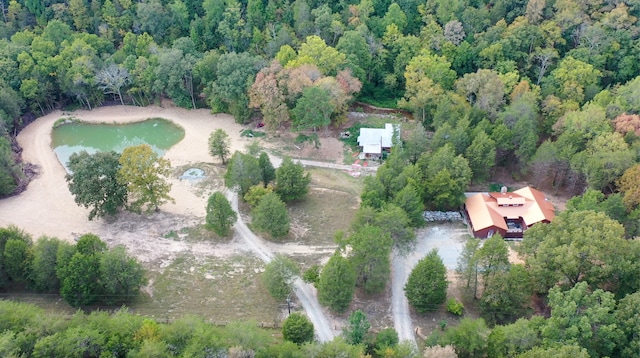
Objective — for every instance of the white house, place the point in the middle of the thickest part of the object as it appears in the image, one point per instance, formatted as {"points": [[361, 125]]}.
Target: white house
{"points": [[375, 141]]}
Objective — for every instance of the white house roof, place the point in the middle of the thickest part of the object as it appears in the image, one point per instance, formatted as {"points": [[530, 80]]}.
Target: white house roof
{"points": [[372, 140]]}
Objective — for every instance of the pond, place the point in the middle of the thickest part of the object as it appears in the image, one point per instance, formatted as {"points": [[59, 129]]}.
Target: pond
{"points": [[70, 138]]}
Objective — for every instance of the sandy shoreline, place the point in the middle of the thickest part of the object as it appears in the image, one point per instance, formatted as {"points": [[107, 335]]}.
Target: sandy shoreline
{"points": [[47, 207]]}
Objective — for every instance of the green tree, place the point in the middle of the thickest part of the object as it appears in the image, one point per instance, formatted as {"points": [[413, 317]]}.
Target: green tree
{"points": [[220, 216], [279, 275], [370, 250], [271, 216], [515, 338], [17, 259], [43, 266], [121, 276], [427, 284], [234, 75], [291, 181], [468, 338], [256, 193], [628, 319], [606, 158], [573, 77], [393, 220], [481, 155], [94, 182], [560, 351], [219, 143], [357, 328], [577, 246], [583, 317], [337, 283], [508, 296], [297, 328], [243, 172], [315, 51], [409, 200], [468, 268], [492, 259], [79, 280], [266, 169], [313, 109], [145, 175], [10, 171], [9, 233], [446, 177]]}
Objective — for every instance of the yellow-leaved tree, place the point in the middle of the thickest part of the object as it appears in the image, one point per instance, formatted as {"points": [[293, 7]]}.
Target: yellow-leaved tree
{"points": [[145, 176]]}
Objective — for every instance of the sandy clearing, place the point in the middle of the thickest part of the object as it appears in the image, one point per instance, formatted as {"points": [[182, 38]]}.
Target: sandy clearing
{"points": [[47, 207]]}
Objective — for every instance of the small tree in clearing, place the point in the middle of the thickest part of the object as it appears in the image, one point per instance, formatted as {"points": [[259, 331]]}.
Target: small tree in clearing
{"points": [[271, 216], [279, 275], [297, 328], [426, 287], [291, 181], [220, 215], [219, 144]]}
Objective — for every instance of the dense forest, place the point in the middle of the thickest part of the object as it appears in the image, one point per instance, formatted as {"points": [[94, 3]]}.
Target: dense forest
{"points": [[549, 86]]}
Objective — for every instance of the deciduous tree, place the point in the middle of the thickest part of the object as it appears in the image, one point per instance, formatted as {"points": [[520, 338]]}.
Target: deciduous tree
{"points": [[219, 143], [145, 175], [94, 182], [279, 275], [357, 328], [121, 276], [43, 266]]}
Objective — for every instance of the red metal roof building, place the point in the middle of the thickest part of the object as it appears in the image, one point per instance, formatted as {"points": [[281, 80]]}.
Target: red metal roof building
{"points": [[508, 213]]}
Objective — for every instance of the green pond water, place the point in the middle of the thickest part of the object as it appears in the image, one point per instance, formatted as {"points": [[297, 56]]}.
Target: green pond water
{"points": [[158, 133]]}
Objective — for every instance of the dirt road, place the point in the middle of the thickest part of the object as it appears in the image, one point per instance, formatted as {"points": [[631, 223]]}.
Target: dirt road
{"points": [[305, 292], [449, 240]]}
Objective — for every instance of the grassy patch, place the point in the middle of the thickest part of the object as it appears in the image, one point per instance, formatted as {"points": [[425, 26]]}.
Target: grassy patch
{"points": [[217, 289], [329, 206]]}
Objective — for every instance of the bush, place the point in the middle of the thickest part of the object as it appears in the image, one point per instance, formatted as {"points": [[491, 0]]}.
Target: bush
{"points": [[312, 275], [298, 329], [256, 193], [455, 307]]}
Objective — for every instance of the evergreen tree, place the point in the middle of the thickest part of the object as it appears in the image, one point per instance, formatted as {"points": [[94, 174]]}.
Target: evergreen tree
{"points": [[426, 287], [220, 216], [337, 283], [291, 181], [271, 216]]}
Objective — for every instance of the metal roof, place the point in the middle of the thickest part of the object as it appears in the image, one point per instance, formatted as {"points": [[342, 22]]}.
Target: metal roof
{"points": [[380, 137], [485, 210]]}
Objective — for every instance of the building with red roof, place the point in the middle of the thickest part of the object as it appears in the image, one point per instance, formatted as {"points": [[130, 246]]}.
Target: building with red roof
{"points": [[509, 214]]}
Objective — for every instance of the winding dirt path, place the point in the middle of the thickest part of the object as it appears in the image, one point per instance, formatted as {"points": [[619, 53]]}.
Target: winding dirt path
{"points": [[304, 291]]}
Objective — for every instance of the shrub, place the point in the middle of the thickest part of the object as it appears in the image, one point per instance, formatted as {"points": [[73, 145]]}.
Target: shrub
{"points": [[455, 307]]}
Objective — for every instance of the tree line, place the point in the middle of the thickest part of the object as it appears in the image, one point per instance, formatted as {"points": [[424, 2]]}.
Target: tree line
{"points": [[83, 273]]}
